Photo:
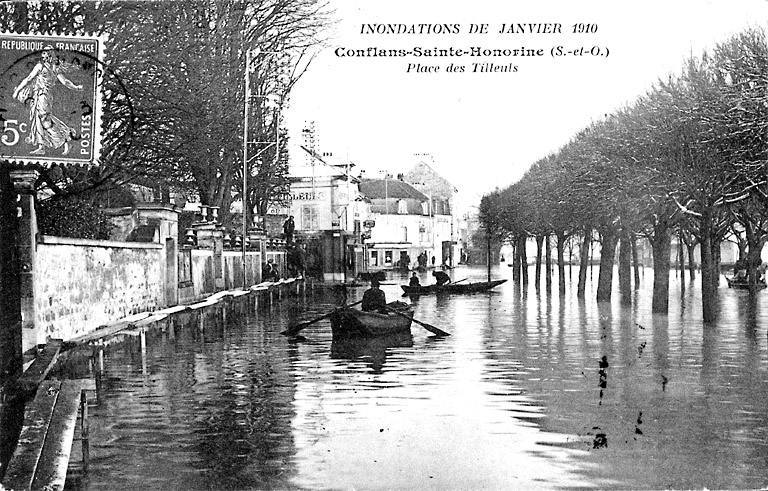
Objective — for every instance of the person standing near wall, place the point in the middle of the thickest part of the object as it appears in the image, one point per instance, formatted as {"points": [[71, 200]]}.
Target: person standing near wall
{"points": [[289, 227]]}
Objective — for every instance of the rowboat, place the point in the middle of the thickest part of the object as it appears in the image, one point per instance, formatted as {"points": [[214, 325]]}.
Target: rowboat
{"points": [[347, 322], [743, 283], [451, 288]]}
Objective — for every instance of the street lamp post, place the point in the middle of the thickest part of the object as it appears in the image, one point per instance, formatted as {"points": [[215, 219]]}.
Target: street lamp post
{"points": [[245, 159], [248, 58]]}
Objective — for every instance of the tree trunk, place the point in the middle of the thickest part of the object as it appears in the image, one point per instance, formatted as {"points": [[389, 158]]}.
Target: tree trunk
{"points": [[681, 257], [743, 245], [561, 238], [691, 261], [607, 254], [515, 262], [584, 264], [625, 270], [548, 261], [754, 241], [488, 242], [539, 245], [708, 285], [10, 282], [523, 258], [661, 244], [636, 262], [716, 260]]}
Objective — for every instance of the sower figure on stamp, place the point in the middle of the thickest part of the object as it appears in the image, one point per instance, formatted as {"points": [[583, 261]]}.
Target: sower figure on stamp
{"points": [[45, 129]]}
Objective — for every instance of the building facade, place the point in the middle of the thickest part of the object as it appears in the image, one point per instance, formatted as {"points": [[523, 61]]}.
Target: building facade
{"points": [[443, 197], [406, 225], [328, 212]]}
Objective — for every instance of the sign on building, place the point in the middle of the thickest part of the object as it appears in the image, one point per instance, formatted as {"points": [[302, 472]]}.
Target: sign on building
{"points": [[50, 98]]}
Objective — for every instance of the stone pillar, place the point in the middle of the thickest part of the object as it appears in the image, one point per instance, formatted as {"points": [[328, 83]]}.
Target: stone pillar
{"points": [[258, 243], [166, 218], [211, 236], [24, 185]]}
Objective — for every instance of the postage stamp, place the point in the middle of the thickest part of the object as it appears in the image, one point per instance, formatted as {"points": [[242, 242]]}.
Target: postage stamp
{"points": [[50, 98]]}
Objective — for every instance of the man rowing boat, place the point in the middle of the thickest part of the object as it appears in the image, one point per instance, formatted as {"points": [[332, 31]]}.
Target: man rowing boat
{"points": [[374, 298], [441, 278]]}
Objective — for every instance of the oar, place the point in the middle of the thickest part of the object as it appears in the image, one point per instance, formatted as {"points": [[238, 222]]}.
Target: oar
{"points": [[428, 327], [292, 331], [459, 281]]}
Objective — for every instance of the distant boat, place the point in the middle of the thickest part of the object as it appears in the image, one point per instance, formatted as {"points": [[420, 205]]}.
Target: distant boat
{"points": [[743, 283], [349, 322], [451, 288]]}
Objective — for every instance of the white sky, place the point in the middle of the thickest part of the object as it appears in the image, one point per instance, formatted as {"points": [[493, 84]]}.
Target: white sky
{"points": [[485, 129]]}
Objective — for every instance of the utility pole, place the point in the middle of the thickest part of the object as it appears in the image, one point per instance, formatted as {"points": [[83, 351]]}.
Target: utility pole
{"points": [[245, 159]]}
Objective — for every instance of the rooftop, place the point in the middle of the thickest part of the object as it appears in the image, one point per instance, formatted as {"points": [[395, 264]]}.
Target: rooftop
{"points": [[390, 188]]}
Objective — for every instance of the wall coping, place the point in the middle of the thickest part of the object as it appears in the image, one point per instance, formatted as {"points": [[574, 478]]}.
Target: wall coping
{"points": [[52, 240]]}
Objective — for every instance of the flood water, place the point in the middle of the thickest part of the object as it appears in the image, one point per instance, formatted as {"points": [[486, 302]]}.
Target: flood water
{"points": [[530, 391]]}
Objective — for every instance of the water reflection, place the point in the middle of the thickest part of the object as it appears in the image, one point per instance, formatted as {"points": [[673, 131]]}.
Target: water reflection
{"points": [[530, 391], [371, 350]]}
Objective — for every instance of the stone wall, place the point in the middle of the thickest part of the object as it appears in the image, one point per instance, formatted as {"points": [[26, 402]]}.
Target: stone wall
{"points": [[204, 279], [233, 269], [83, 284]]}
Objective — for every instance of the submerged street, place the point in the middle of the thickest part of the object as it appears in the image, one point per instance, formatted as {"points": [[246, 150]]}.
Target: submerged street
{"points": [[530, 391]]}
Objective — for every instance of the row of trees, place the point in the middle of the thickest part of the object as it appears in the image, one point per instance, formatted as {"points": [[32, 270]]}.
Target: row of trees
{"points": [[174, 92], [688, 158]]}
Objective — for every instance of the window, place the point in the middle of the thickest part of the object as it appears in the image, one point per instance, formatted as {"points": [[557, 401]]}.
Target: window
{"points": [[404, 234], [388, 258], [374, 258], [309, 218], [402, 207]]}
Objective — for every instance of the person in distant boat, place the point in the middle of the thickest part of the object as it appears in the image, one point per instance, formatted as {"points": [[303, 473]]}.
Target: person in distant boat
{"points": [[374, 298], [441, 277], [761, 271], [414, 280]]}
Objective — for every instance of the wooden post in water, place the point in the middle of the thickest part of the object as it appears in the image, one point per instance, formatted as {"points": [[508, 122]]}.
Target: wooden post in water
{"points": [[143, 339], [84, 430]]}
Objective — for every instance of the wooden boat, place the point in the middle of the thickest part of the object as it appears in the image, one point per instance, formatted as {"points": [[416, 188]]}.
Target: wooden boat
{"points": [[743, 283], [348, 322], [451, 288]]}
